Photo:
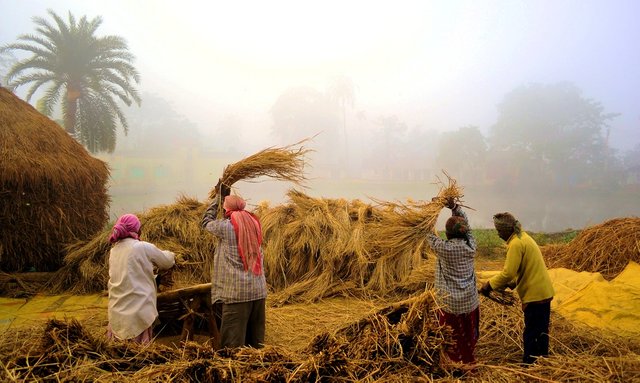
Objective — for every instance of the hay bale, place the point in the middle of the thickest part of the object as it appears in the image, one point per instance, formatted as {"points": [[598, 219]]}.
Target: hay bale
{"points": [[606, 248], [52, 191]]}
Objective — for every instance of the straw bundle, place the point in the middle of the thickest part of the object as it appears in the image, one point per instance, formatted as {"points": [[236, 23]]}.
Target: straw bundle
{"points": [[173, 227], [503, 297], [606, 248], [400, 239], [285, 163], [52, 192]]}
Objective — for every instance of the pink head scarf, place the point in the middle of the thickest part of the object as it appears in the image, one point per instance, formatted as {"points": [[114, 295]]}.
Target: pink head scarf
{"points": [[248, 233], [127, 225]]}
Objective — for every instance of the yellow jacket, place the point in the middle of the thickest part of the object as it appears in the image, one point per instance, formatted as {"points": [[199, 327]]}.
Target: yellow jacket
{"points": [[525, 265]]}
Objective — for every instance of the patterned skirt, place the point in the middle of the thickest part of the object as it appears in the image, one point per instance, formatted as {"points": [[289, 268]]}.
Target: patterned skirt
{"points": [[466, 331]]}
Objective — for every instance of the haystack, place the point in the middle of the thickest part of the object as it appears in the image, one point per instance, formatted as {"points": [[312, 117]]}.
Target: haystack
{"points": [[606, 248], [52, 192]]}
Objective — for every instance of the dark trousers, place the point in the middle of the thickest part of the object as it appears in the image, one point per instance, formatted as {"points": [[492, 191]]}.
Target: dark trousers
{"points": [[536, 331], [243, 324]]}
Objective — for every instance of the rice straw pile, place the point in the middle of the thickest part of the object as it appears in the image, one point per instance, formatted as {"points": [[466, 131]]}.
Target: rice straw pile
{"points": [[606, 248], [176, 228], [317, 247]]}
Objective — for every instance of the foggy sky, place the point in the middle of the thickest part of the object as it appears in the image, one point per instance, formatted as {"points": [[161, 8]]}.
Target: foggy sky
{"points": [[435, 64]]}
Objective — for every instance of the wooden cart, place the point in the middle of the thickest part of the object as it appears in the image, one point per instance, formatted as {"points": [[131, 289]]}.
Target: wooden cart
{"points": [[185, 305]]}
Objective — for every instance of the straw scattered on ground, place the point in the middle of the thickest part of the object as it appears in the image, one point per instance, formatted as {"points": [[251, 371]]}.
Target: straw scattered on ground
{"points": [[372, 341]]}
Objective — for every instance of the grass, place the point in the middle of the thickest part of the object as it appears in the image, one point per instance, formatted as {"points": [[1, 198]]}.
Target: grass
{"points": [[492, 247]]}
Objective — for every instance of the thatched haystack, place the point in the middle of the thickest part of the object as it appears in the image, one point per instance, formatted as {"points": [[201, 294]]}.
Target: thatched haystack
{"points": [[52, 192], [606, 248]]}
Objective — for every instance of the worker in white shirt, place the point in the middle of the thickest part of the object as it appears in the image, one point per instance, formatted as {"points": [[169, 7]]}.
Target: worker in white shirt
{"points": [[132, 287]]}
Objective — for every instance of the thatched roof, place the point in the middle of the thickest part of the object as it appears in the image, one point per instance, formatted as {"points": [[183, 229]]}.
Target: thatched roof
{"points": [[52, 190]]}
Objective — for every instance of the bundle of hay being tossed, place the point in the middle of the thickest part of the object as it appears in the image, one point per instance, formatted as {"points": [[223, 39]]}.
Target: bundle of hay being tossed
{"points": [[606, 248], [284, 164]]}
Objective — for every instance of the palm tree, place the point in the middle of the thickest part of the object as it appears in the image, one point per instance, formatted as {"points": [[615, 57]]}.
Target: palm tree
{"points": [[341, 90], [90, 73]]}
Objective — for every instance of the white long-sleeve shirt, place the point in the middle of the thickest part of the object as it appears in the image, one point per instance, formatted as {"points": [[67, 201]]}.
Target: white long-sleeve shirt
{"points": [[132, 285]]}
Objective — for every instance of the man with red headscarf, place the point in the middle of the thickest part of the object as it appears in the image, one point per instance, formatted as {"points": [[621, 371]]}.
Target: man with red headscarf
{"points": [[238, 280], [132, 286]]}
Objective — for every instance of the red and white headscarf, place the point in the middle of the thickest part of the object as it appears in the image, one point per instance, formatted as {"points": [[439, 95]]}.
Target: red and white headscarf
{"points": [[248, 233], [126, 226]]}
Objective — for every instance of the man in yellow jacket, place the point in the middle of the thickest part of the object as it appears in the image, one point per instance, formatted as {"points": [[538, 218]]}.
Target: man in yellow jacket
{"points": [[524, 269]]}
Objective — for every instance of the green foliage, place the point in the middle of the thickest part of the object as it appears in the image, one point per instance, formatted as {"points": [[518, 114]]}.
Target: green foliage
{"points": [[85, 74], [554, 238], [491, 246]]}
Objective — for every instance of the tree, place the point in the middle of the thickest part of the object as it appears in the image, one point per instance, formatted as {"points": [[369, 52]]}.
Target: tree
{"points": [[551, 133], [86, 75], [6, 61], [341, 90], [303, 112], [462, 153], [388, 148], [159, 127]]}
